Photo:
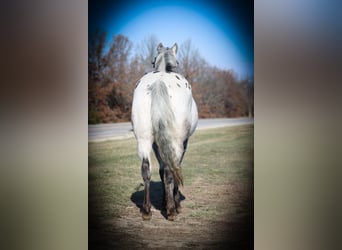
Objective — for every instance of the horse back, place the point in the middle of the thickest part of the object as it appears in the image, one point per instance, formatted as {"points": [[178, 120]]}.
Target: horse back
{"points": [[180, 99]]}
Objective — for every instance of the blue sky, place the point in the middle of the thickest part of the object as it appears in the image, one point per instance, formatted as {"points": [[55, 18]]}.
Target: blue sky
{"points": [[222, 31]]}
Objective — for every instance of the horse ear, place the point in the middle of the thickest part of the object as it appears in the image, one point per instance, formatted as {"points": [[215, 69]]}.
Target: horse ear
{"points": [[160, 47], [175, 48]]}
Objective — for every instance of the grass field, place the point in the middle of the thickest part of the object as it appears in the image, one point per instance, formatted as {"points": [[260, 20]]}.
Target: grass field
{"points": [[217, 194]]}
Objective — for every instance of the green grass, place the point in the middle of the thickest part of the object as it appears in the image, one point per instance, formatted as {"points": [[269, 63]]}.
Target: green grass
{"points": [[215, 156], [220, 155]]}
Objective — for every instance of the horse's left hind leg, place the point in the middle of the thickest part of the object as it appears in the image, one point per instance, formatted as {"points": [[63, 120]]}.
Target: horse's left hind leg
{"points": [[146, 174]]}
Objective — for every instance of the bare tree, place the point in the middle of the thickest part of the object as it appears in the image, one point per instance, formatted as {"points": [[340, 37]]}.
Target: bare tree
{"points": [[146, 52], [113, 73], [96, 65], [248, 94], [191, 63], [108, 88], [96, 62], [117, 59]]}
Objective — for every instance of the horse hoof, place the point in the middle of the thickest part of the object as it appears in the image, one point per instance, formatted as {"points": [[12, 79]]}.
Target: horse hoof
{"points": [[171, 217], [179, 209], [146, 216]]}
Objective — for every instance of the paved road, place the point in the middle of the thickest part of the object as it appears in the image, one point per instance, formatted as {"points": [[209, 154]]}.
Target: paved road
{"points": [[114, 131]]}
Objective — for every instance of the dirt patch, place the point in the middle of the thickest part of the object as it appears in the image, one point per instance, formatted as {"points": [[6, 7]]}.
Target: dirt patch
{"points": [[213, 217]]}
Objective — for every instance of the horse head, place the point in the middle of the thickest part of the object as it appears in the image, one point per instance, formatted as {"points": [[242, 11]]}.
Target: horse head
{"points": [[166, 58]]}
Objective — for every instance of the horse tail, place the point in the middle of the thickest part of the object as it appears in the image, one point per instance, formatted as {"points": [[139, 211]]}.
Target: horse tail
{"points": [[163, 125]]}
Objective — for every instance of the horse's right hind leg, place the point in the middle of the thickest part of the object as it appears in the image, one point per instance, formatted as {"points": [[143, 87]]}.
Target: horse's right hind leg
{"points": [[146, 174], [161, 170], [176, 189], [169, 194], [177, 199]]}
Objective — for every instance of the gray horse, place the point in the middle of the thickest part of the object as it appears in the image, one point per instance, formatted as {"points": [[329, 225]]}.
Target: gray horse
{"points": [[164, 116]]}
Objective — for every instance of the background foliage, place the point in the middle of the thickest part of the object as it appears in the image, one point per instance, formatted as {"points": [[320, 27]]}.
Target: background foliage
{"points": [[113, 71]]}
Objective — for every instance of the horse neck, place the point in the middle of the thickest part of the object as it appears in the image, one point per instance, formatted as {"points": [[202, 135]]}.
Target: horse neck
{"points": [[161, 66]]}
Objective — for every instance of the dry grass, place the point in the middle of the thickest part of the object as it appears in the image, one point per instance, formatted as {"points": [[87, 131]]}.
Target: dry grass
{"points": [[217, 194]]}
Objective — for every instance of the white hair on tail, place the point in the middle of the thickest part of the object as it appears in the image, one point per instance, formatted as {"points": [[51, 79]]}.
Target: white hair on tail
{"points": [[165, 136]]}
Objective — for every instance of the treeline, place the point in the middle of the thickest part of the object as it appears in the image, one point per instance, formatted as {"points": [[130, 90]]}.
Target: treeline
{"points": [[113, 72]]}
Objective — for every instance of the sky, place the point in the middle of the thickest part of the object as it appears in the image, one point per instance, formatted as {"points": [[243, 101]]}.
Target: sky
{"points": [[222, 31]]}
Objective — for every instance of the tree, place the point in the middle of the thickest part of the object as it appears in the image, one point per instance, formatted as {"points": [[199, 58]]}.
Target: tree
{"points": [[96, 62], [117, 59], [117, 71], [108, 84], [113, 73], [191, 63], [96, 65], [147, 51], [248, 93]]}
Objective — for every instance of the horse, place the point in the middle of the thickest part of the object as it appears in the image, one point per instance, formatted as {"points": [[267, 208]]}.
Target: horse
{"points": [[164, 116]]}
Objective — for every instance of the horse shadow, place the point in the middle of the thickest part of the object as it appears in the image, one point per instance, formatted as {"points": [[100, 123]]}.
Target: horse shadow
{"points": [[156, 196]]}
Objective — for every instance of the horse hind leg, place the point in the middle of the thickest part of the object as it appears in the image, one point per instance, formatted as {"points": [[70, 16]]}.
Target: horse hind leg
{"points": [[161, 171], [169, 194], [176, 189], [146, 175], [177, 199]]}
